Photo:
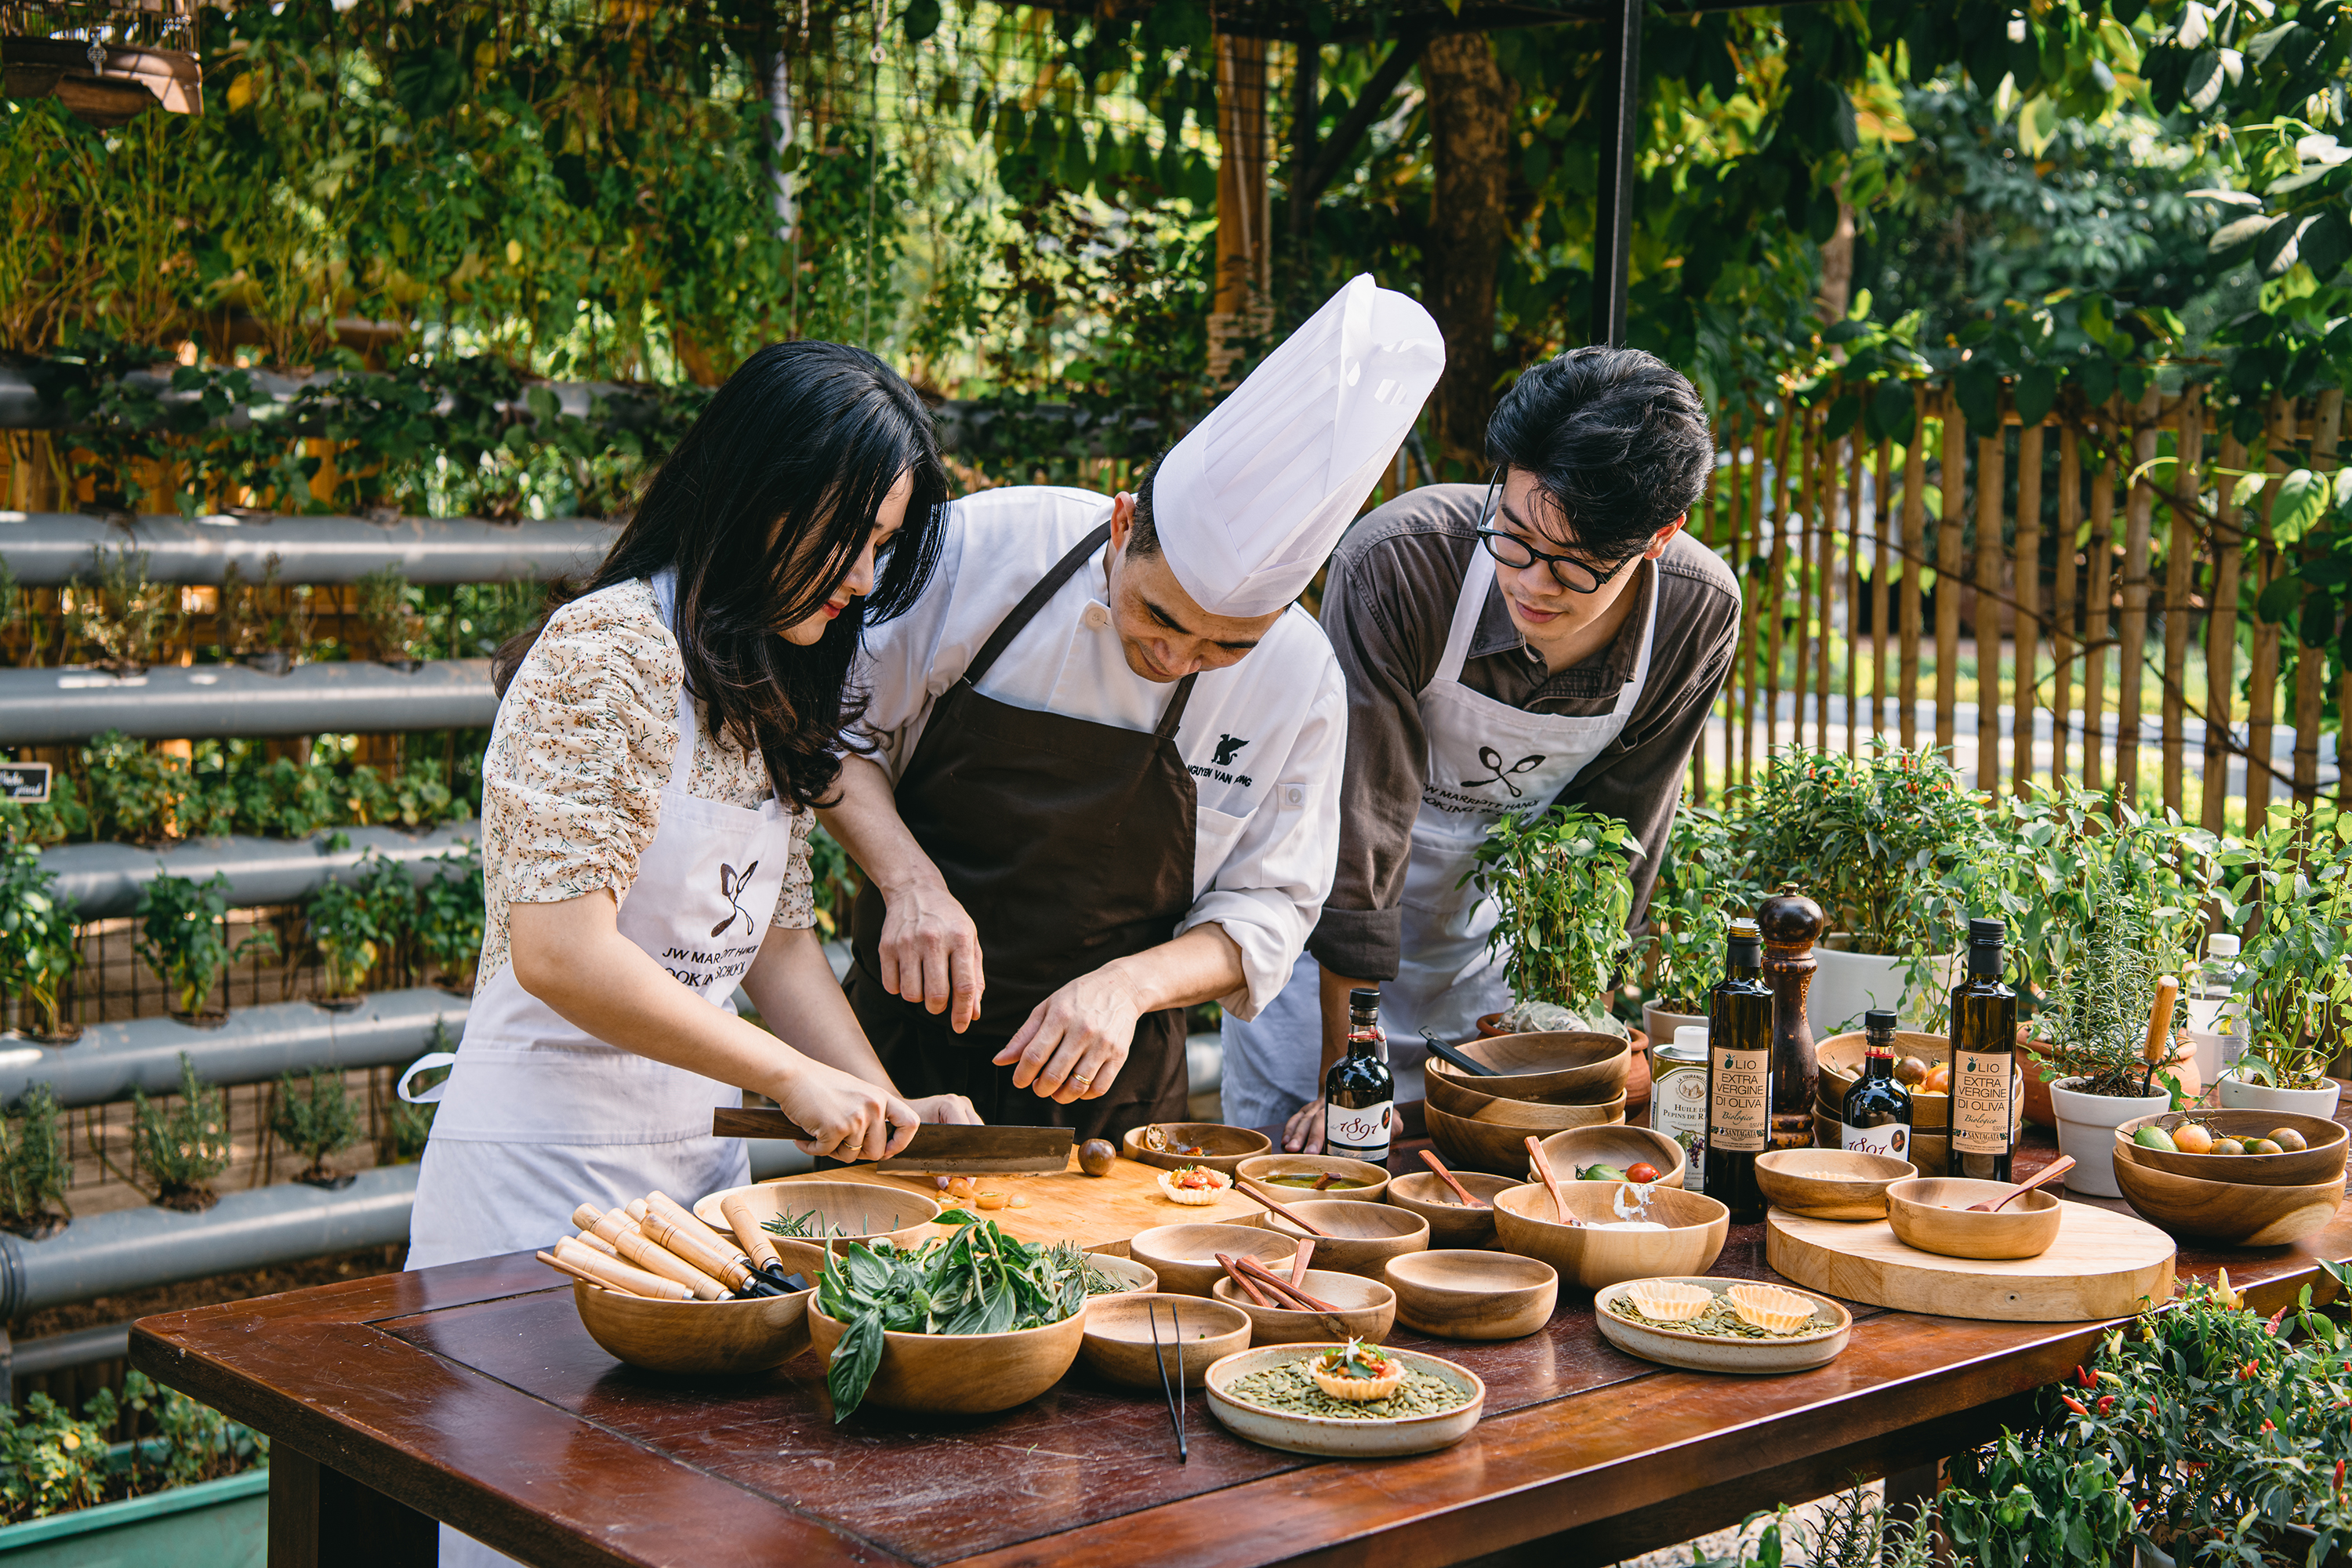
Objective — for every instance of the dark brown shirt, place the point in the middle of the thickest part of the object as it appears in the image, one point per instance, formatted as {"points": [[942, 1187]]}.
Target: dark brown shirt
{"points": [[1387, 604]]}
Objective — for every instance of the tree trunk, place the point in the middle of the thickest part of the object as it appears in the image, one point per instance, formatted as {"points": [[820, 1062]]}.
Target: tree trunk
{"points": [[1469, 118]]}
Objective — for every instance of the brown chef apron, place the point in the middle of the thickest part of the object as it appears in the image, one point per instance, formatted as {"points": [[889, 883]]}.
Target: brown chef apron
{"points": [[1070, 844]]}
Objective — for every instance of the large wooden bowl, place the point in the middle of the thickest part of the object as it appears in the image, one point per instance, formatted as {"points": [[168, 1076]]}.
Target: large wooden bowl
{"points": [[1262, 1167], [703, 1338], [1930, 1213], [1185, 1256], [1473, 1295], [2233, 1214], [2299, 1168], [1551, 1064], [1226, 1146], [1468, 1097], [1117, 1346], [959, 1375], [1590, 1258], [1474, 1145], [1363, 1238], [1581, 1148], [1367, 1310], [1451, 1224], [1829, 1184], [1840, 1060], [843, 1211]]}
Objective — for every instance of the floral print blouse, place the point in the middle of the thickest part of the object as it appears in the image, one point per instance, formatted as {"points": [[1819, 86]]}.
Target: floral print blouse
{"points": [[571, 781]]}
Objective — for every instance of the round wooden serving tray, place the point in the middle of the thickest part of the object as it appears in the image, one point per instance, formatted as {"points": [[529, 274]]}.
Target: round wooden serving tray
{"points": [[2103, 1264]]}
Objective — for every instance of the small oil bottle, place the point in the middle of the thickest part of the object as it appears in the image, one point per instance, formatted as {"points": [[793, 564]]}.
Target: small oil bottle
{"points": [[1359, 1095], [1876, 1118]]}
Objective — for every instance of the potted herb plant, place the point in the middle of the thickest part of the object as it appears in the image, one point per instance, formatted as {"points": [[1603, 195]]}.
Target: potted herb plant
{"points": [[317, 1121], [39, 945], [185, 1147], [1702, 884], [122, 614], [34, 1167], [184, 937], [1561, 881], [2295, 985], [448, 922], [388, 613], [341, 922]]}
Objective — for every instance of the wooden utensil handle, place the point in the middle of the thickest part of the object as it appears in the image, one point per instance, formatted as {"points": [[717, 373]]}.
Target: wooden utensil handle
{"points": [[1244, 1282], [1310, 1227], [1298, 1260], [755, 1242], [611, 1271], [695, 1241], [1275, 1283], [562, 1268], [654, 1259], [1551, 1183], [2160, 1019], [1429, 1157]]}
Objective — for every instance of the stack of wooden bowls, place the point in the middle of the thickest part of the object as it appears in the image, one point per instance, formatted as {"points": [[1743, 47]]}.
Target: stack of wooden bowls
{"points": [[1543, 1083], [2241, 1200], [1839, 1057]]}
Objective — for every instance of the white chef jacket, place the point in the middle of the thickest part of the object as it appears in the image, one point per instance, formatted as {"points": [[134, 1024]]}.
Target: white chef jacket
{"points": [[1265, 739]]}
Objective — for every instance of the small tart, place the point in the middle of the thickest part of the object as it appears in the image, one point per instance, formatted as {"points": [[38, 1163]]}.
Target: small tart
{"points": [[1195, 1184], [1771, 1309], [1669, 1302], [1358, 1389]]}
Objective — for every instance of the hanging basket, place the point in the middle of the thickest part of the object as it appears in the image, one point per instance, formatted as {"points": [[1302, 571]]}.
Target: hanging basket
{"points": [[131, 79]]}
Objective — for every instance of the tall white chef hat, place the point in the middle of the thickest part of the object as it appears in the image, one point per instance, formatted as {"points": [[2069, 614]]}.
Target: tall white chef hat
{"points": [[1251, 500]]}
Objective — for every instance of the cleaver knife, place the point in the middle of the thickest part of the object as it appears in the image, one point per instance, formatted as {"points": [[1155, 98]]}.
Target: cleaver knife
{"points": [[936, 1147]]}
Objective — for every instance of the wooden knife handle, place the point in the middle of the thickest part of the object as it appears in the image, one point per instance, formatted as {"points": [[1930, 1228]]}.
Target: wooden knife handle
{"points": [[743, 1122]]}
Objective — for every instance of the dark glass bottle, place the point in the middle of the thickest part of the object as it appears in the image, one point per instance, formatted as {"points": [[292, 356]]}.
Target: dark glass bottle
{"points": [[1876, 1116], [1359, 1095], [1739, 1075], [1984, 1059]]}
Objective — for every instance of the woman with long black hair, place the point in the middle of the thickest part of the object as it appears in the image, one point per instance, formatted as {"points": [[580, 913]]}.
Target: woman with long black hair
{"points": [[660, 740]]}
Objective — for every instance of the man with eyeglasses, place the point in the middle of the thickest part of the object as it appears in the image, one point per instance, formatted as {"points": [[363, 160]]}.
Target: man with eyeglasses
{"points": [[1551, 637]]}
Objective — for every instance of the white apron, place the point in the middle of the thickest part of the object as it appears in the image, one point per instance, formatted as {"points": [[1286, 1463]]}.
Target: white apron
{"points": [[1487, 760]]}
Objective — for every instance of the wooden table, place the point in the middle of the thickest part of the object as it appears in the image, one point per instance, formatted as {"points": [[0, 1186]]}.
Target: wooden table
{"points": [[471, 1393]]}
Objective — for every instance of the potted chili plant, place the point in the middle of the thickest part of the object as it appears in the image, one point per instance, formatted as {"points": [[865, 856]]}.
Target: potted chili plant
{"points": [[184, 937], [1563, 883], [1702, 884], [2297, 979], [39, 945]]}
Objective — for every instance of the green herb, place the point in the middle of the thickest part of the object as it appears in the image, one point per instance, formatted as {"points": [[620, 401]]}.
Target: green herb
{"points": [[1354, 1360], [1289, 1389], [1563, 882], [1721, 1321], [979, 1281], [812, 1227], [1070, 1255], [318, 1120]]}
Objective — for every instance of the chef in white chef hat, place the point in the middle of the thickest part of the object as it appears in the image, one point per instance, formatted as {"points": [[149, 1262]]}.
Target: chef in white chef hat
{"points": [[1107, 745]]}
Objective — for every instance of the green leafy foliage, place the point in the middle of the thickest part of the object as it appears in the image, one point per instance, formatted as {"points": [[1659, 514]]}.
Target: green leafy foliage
{"points": [[121, 613], [53, 821], [2294, 884], [40, 942], [352, 922], [1850, 1529], [2097, 1016], [1560, 879], [147, 797], [52, 1461], [449, 918], [1706, 881], [34, 1164], [184, 937], [317, 1119], [184, 1145]]}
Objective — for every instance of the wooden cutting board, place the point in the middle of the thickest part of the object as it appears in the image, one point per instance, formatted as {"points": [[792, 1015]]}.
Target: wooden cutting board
{"points": [[1099, 1212], [2102, 1265]]}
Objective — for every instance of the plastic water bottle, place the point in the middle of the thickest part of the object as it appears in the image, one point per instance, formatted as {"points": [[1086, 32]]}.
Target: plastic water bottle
{"points": [[2217, 1019]]}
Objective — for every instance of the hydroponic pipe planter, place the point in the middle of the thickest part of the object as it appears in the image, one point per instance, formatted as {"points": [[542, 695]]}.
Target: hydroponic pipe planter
{"points": [[389, 1029], [28, 398], [218, 700], [137, 1249], [46, 549], [103, 879]]}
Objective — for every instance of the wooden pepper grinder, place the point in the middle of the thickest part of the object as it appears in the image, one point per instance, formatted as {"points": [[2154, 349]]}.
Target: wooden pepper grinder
{"points": [[1791, 923]]}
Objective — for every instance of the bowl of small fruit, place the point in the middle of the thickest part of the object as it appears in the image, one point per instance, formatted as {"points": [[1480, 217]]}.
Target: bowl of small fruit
{"points": [[2250, 1148]]}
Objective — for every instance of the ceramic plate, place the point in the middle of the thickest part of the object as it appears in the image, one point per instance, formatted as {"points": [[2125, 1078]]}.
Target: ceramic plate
{"points": [[1331, 1437], [1705, 1352]]}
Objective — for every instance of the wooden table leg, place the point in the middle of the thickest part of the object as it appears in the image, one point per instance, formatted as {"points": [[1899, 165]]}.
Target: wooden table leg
{"points": [[1908, 1491], [320, 1518]]}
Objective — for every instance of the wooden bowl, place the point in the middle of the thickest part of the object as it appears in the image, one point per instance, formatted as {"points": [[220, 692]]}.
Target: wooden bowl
{"points": [[1473, 1145], [1459, 1295], [1342, 1437], [1926, 1212], [1840, 1060], [1139, 1276], [703, 1338], [1829, 1184], [1226, 1146], [1194, 1333], [1367, 1310], [847, 1211], [959, 1375], [1541, 1116], [1449, 1224], [1581, 1147], [1551, 1063], [1260, 1167], [1457, 1094], [1363, 1238], [2234, 1213], [1185, 1256], [2299, 1168], [1590, 1258]]}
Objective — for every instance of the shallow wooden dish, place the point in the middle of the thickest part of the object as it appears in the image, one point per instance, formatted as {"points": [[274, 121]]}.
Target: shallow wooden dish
{"points": [[1185, 1256], [1590, 1258], [1331, 1437], [1367, 1310], [1829, 1184], [1840, 1060], [1258, 1167], [858, 1211], [703, 1338], [1117, 1345], [1926, 1212], [1226, 1147], [1550, 1064], [1363, 1238], [1705, 1352], [1457, 1094], [1459, 1295], [1484, 1146], [959, 1375], [1139, 1276], [1621, 1146], [2235, 1213], [1451, 1224], [2298, 1168]]}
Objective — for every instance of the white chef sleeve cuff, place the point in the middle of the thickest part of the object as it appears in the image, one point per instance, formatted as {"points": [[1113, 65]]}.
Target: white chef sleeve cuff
{"points": [[1265, 925]]}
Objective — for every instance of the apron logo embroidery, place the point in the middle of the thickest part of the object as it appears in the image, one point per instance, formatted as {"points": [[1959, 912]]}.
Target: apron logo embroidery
{"points": [[730, 887], [1228, 748], [1490, 758]]}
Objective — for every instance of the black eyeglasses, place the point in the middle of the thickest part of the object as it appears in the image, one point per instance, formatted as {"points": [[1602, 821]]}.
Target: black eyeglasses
{"points": [[1575, 575]]}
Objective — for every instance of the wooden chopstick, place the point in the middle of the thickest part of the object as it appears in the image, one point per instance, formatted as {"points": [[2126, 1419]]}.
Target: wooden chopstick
{"points": [[1245, 1282], [1310, 1227], [1429, 1157], [1281, 1287]]}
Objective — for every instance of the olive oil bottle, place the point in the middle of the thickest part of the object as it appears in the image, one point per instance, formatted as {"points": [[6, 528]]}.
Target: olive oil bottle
{"points": [[1984, 1059], [1876, 1116], [1739, 1075], [1359, 1095]]}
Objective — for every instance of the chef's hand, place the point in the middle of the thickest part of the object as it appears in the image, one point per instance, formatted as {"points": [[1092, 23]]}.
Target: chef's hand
{"points": [[1077, 1040], [930, 951], [948, 1108], [852, 1120], [1303, 1134]]}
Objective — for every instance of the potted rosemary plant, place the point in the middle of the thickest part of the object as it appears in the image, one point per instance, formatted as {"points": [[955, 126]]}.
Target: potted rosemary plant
{"points": [[1562, 883], [2297, 983]]}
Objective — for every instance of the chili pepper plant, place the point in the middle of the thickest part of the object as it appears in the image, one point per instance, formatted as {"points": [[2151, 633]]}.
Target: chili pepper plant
{"points": [[184, 937], [39, 944], [1562, 880]]}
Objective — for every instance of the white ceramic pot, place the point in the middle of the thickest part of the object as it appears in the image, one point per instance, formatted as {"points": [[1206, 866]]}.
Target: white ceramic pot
{"points": [[1848, 985], [1661, 1025], [2239, 1095], [2087, 1130]]}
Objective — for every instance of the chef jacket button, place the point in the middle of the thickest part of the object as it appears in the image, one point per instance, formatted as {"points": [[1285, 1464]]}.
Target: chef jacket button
{"points": [[1294, 794], [1096, 618]]}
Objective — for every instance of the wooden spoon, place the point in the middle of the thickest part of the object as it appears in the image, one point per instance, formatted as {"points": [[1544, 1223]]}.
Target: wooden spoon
{"points": [[2058, 1167], [1543, 1168], [1298, 1260], [1260, 1194], [1429, 1157]]}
